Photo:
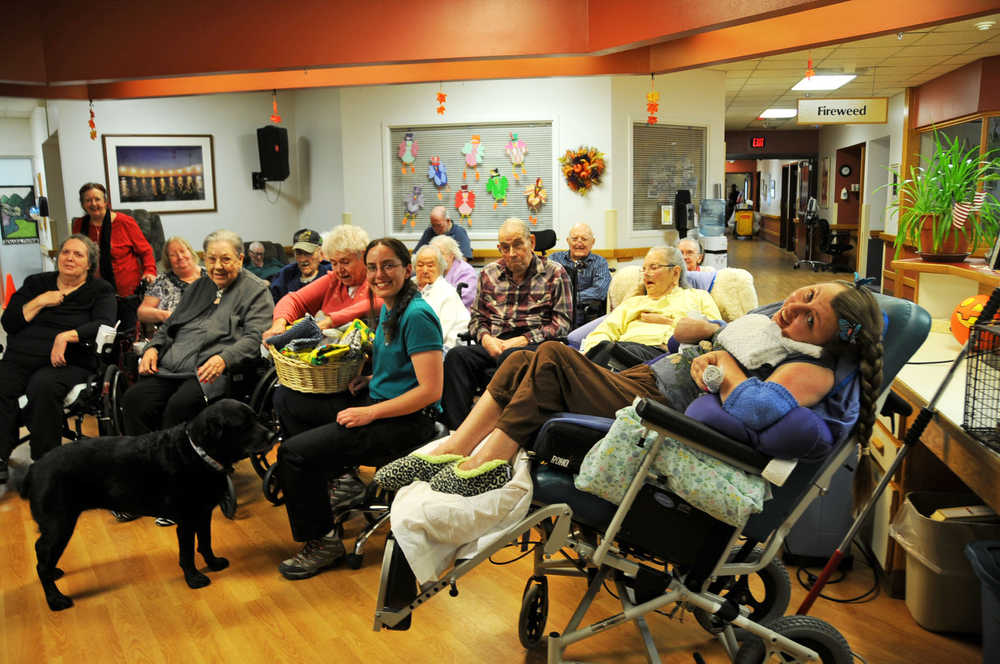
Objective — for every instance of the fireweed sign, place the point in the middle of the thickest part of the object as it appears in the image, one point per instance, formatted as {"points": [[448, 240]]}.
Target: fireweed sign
{"points": [[864, 110]]}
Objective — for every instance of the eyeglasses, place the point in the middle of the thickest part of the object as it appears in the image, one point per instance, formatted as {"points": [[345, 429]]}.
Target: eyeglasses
{"points": [[224, 261], [384, 267], [654, 267], [516, 245]]}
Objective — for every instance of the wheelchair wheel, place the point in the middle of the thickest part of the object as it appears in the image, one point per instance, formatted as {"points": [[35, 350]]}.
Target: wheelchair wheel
{"points": [[534, 612], [808, 631], [767, 593], [112, 392], [270, 485], [262, 404]]}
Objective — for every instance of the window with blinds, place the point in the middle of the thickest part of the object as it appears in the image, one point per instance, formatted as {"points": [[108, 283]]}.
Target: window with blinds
{"points": [[665, 159], [447, 142]]}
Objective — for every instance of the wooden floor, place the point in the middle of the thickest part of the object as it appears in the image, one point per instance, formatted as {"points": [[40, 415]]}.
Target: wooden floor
{"points": [[132, 604]]}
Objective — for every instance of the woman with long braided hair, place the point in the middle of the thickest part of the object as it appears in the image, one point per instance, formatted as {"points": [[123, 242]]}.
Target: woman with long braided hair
{"points": [[381, 417], [841, 318]]}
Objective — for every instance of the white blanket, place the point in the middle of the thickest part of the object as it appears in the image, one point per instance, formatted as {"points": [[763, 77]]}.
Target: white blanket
{"points": [[434, 528]]}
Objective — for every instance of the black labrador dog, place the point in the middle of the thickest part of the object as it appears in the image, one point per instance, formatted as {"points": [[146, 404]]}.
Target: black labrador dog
{"points": [[178, 473]]}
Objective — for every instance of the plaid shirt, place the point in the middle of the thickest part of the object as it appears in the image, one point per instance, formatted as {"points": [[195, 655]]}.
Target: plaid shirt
{"points": [[541, 304]]}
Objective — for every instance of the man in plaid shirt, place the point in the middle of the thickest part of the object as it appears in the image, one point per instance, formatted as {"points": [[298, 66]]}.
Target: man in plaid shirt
{"points": [[522, 301]]}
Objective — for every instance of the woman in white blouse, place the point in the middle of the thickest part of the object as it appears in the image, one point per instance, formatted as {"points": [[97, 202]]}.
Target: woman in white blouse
{"points": [[430, 266]]}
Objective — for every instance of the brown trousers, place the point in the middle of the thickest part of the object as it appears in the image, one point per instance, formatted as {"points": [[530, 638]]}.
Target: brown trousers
{"points": [[532, 386]]}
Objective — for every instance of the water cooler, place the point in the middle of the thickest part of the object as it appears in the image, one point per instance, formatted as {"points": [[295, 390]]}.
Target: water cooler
{"points": [[712, 228]]}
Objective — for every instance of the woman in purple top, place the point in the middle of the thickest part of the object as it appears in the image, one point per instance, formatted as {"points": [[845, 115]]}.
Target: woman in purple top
{"points": [[458, 272]]}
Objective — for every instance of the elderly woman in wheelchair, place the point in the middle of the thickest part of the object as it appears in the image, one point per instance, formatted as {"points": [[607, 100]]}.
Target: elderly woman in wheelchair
{"points": [[638, 329], [46, 320], [215, 328]]}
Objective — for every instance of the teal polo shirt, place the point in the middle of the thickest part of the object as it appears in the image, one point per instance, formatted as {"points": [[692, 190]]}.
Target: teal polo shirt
{"points": [[419, 330]]}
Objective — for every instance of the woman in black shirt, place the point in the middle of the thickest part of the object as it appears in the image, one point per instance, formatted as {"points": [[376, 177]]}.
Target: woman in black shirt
{"points": [[45, 320]]}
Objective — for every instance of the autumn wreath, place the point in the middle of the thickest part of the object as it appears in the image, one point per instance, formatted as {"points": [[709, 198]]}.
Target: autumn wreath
{"points": [[583, 168]]}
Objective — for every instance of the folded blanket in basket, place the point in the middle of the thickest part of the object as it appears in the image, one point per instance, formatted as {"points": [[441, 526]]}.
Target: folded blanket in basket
{"points": [[713, 486]]}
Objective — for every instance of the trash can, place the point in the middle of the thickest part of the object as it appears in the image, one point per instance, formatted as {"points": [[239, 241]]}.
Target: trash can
{"points": [[985, 559], [942, 592]]}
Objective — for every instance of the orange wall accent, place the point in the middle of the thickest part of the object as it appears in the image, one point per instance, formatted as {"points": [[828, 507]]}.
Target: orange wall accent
{"points": [[741, 166], [833, 24], [75, 41], [623, 24], [973, 88], [628, 62], [184, 37]]}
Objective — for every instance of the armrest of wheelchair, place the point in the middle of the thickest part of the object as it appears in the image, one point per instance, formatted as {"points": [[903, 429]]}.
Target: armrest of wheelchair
{"points": [[465, 337], [692, 432]]}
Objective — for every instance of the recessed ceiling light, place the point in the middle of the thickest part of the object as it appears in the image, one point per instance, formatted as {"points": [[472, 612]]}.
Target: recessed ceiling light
{"points": [[824, 82], [985, 25], [779, 113]]}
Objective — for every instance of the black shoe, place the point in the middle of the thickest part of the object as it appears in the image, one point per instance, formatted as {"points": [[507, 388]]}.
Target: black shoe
{"points": [[123, 517]]}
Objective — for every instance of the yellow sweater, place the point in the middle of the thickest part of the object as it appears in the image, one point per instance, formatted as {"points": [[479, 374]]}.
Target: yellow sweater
{"points": [[624, 324]]}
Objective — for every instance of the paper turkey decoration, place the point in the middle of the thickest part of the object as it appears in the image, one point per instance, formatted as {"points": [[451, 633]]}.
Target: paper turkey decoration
{"points": [[465, 203], [408, 152], [496, 187], [516, 149], [413, 203], [537, 197], [473, 151], [438, 174]]}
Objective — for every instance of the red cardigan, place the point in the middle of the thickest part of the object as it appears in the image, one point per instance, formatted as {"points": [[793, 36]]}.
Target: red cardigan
{"points": [[131, 255], [329, 294]]}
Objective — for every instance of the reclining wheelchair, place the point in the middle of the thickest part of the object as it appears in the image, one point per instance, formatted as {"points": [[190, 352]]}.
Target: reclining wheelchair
{"points": [[655, 547]]}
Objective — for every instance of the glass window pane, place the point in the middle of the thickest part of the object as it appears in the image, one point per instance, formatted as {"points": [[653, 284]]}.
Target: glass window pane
{"points": [[665, 159]]}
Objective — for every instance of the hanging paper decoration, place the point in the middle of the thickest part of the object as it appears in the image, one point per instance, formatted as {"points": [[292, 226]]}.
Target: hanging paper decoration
{"points": [[91, 123], [441, 99], [582, 168], [413, 203], [275, 118], [652, 102], [537, 197], [516, 149], [473, 152], [438, 174], [465, 203], [810, 72], [408, 152], [496, 187]]}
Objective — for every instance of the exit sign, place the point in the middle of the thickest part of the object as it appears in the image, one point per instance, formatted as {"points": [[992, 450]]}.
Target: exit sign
{"points": [[757, 142]]}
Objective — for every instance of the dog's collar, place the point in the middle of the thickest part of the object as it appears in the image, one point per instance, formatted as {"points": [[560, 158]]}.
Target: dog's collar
{"points": [[215, 465]]}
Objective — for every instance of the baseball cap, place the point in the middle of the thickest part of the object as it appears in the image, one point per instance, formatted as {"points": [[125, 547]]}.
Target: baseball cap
{"points": [[306, 240]]}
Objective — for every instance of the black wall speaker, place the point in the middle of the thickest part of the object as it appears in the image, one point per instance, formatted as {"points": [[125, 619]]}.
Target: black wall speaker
{"points": [[272, 145], [43, 206]]}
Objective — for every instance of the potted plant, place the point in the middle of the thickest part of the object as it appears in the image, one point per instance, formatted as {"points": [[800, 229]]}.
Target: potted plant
{"points": [[926, 202]]}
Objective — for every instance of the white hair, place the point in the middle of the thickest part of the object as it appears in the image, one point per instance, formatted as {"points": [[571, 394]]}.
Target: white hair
{"points": [[346, 238], [438, 256], [447, 245]]}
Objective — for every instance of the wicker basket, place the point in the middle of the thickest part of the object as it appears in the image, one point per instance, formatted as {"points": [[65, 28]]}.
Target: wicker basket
{"points": [[324, 379]]}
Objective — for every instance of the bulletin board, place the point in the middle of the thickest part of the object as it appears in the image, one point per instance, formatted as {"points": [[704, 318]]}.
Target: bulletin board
{"points": [[447, 143]]}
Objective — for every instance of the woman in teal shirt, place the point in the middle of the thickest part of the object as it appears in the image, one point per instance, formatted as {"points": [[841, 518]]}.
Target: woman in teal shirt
{"points": [[381, 416]]}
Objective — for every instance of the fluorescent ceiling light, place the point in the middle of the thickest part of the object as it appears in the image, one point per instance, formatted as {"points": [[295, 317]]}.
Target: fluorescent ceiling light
{"points": [[824, 82], [779, 113]]}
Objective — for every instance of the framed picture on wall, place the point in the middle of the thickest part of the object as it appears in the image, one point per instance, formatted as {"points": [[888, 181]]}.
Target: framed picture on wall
{"points": [[772, 189], [16, 207], [824, 182], [160, 173], [893, 182]]}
